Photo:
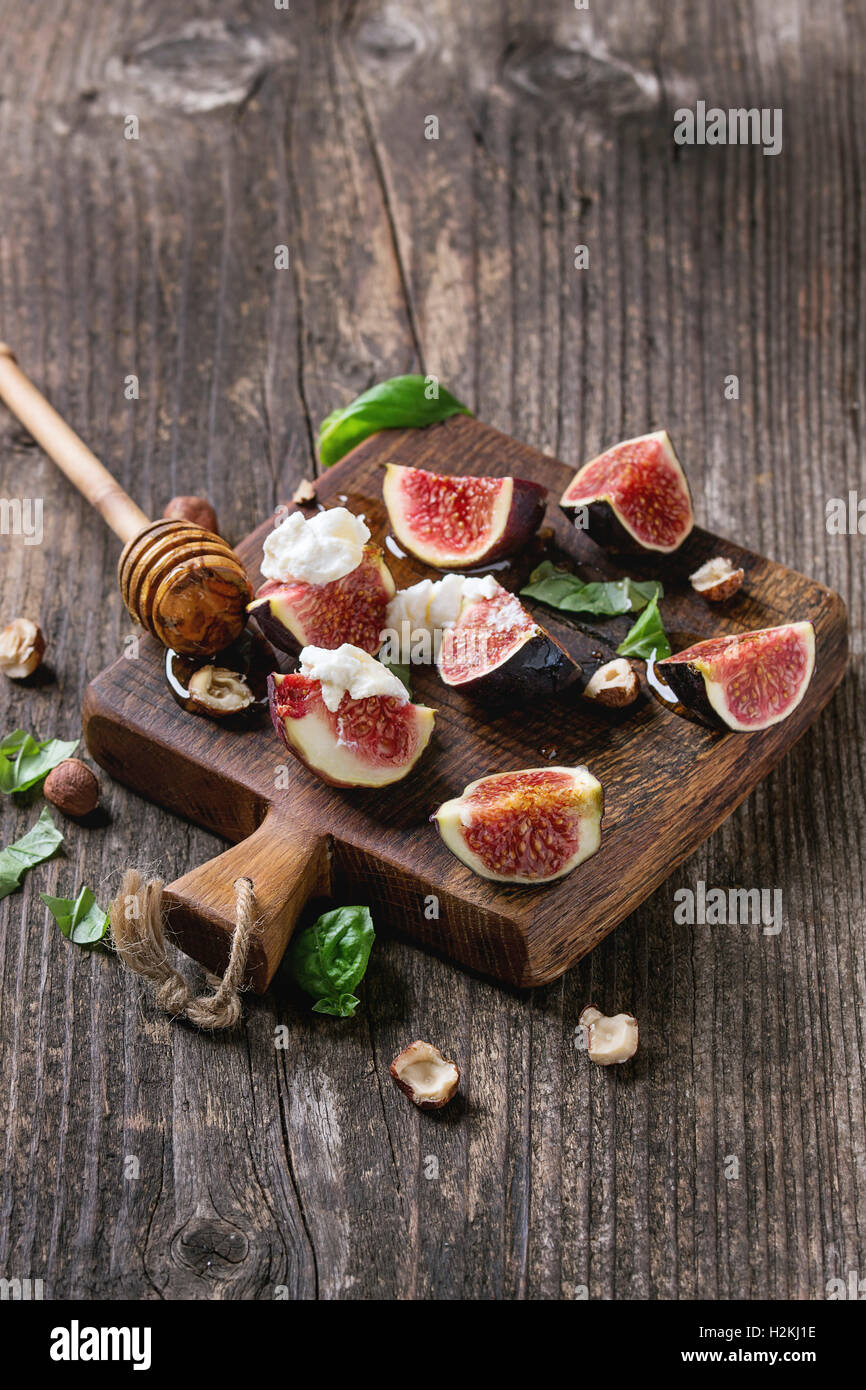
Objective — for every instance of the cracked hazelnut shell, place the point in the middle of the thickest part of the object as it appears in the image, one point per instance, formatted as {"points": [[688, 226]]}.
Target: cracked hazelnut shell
{"points": [[613, 685], [218, 691], [609, 1040], [22, 647], [717, 579], [425, 1076]]}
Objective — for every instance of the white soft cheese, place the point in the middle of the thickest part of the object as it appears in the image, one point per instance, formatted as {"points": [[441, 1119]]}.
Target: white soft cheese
{"points": [[327, 547], [349, 671], [432, 607]]}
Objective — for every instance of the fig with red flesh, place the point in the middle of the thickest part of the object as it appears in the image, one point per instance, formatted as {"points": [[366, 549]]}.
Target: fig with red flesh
{"points": [[293, 614], [746, 682], [525, 827], [460, 523], [363, 743], [498, 650], [635, 496]]}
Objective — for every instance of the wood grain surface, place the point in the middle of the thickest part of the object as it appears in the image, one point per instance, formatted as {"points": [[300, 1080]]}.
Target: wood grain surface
{"points": [[668, 781], [142, 1159]]}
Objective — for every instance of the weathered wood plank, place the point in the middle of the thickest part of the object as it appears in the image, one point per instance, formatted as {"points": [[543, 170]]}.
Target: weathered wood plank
{"points": [[305, 1167]]}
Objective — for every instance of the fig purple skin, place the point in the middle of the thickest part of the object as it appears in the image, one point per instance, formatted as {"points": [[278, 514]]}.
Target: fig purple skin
{"points": [[635, 495], [294, 615]]}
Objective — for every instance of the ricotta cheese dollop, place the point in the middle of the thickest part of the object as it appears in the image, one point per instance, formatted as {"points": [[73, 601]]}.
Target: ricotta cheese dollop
{"points": [[349, 671], [429, 606], [316, 551]]}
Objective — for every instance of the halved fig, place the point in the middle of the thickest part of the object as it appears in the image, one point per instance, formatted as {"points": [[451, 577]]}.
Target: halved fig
{"points": [[525, 827], [363, 743], [498, 650], [460, 523], [293, 615], [748, 681], [635, 496]]}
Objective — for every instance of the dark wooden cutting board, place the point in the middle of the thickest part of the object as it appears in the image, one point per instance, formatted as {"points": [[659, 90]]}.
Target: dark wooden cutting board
{"points": [[668, 782]]}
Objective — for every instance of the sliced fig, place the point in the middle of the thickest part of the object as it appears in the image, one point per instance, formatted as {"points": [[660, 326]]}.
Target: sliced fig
{"points": [[635, 496], [525, 827], [498, 650], [352, 609], [748, 681], [363, 743], [460, 523]]}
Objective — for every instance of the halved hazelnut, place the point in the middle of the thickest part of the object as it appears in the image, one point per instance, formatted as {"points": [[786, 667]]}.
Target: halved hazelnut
{"points": [[609, 1039], [22, 647], [717, 579], [219, 691], [427, 1078], [615, 684]]}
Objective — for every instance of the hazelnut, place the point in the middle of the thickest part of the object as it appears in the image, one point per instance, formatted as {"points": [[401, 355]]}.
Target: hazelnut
{"points": [[304, 493], [22, 647], [609, 1039], [195, 509], [427, 1077], [717, 579], [72, 787], [615, 684], [219, 691]]}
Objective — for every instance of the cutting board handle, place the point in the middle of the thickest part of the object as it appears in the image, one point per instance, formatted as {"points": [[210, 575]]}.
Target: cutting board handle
{"points": [[287, 866]]}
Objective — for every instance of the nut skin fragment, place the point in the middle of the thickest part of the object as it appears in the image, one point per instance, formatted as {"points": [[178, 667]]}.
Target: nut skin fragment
{"points": [[717, 579], [198, 510], [304, 493], [219, 691], [610, 1040], [22, 647], [72, 787], [425, 1076], [614, 685]]}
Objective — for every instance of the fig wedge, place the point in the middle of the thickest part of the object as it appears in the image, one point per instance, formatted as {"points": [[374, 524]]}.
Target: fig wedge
{"points": [[746, 682], [368, 742], [460, 523], [295, 614], [497, 650], [635, 496], [528, 827]]}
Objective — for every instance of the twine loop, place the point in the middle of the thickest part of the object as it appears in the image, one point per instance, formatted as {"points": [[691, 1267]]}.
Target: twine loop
{"points": [[138, 932]]}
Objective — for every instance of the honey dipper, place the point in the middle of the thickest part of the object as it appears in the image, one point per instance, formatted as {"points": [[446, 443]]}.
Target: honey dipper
{"points": [[183, 584]]}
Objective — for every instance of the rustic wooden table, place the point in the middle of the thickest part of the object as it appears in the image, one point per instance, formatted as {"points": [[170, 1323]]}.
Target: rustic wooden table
{"points": [[142, 1159]]}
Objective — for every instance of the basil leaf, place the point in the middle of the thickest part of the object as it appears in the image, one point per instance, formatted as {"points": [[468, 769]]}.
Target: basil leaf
{"points": [[329, 958], [39, 843], [647, 637], [80, 919], [24, 761], [400, 403], [402, 673], [561, 589]]}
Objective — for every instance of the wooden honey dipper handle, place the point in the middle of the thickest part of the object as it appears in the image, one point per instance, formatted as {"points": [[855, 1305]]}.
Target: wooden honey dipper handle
{"points": [[70, 453]]}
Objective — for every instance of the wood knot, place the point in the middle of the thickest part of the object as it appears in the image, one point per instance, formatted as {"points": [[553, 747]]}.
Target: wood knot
{"points": [[201, 66], [211, 1246], [583, 74], [391, 42]]}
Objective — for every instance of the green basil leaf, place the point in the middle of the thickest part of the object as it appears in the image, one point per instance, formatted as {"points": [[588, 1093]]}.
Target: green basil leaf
{"points": [[561, 589], [647, 637], [24, 761], [403, 674], [403, 402], [39, 843], [344, 1007], [329, 958], [80, 919]]}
